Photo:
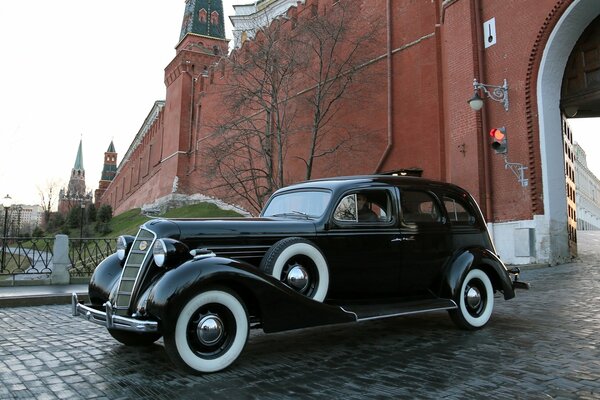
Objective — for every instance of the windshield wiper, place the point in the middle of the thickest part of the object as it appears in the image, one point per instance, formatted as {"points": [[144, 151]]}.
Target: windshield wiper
{"points": [[294, 213]]}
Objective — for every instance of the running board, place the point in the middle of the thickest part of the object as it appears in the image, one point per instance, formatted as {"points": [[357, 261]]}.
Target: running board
{"points": [[365, 312]]}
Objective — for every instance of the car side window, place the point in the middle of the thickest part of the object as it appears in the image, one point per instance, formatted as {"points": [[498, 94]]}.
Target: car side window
{"points": [[369, 206], [419, 207], [346, 209], [458, 212]]}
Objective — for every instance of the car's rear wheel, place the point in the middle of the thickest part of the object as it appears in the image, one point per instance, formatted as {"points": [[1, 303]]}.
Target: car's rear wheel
{"points": [[299, 264], [210, 333], [134, 339], [475, 301]]}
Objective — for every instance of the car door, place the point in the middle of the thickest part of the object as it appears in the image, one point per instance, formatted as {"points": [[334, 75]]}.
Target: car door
{"points": [[424, 241], [361, 254]]}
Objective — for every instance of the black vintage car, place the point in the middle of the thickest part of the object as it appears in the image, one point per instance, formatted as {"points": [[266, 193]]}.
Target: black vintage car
{"points": [[322, 252]]}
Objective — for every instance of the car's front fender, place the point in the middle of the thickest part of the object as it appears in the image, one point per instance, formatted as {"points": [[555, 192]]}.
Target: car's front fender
{"points": [[276, 305], [105, 277], [471, 258]]}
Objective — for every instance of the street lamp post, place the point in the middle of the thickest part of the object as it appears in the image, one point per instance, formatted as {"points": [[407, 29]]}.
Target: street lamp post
{"points": [[82, 212], [6, 202]]}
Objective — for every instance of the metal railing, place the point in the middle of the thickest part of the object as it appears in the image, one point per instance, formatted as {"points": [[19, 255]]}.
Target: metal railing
{"points": [[26, 256], [31, 258], [86, 254]]}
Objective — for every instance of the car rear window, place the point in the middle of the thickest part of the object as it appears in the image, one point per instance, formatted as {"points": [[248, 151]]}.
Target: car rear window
{"points": [[418, 207], [458, 212]]}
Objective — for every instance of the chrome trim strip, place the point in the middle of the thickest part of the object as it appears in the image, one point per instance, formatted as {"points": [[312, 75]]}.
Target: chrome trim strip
{"points": [[404, 313], [350, 312], [109, 320]]}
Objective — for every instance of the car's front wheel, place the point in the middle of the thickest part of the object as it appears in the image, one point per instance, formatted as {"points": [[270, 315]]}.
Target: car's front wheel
{"points": [[475, 301], [210, 333]]}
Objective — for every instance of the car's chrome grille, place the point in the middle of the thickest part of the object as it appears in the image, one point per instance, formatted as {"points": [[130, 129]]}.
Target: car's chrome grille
{"points": [[135, 265]]}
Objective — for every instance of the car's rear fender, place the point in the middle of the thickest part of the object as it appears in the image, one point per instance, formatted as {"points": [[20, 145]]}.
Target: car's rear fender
{"points": [[276, 305], [471, 258]]}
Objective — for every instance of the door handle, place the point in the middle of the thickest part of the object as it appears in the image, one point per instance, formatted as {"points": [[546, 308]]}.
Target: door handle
{"points": [[404, 239]]}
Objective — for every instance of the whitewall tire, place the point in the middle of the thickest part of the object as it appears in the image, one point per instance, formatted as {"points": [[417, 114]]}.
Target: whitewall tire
{"points": [[475, 301], [210, 333]]}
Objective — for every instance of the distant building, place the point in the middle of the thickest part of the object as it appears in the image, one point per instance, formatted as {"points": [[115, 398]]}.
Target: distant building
{"points": [[23, 219], [75, 193], [569, 155], [588, 193]]}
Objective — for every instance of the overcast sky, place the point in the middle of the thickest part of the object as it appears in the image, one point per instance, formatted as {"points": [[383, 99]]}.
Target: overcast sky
{"points": [[75, 69]]}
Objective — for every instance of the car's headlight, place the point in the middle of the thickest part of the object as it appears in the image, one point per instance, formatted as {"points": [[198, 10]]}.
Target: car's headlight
{"points": [[170, 252], [123, 246], [159, 251]]}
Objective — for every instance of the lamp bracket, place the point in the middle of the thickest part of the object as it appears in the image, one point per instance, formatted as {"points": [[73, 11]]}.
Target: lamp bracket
{"points": [[497, 93]]}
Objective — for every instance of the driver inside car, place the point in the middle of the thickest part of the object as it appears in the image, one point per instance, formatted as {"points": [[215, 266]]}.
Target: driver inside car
{"points": [[365, 214]]}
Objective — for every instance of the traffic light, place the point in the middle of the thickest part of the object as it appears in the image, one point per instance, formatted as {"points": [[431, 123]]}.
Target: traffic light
{"points": [[499, 143]]}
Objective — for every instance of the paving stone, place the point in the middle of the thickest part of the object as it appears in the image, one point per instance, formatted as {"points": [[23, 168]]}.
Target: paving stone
{"points": [[542, 344]]}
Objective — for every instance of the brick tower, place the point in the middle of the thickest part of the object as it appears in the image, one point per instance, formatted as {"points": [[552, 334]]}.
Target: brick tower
{"points": [[202, 44], [109, 170]]}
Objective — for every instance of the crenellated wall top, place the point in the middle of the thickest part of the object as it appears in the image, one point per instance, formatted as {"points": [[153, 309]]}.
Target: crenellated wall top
{"points": [[148, 122]]}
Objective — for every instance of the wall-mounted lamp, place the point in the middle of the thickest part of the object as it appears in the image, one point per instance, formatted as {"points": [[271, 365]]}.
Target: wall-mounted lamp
{"points": [[498, 93]]}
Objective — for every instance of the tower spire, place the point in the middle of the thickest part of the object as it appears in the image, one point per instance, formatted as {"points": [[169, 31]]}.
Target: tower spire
{"points": [[203, 17], [76, 188], [75, 192], [79, 159]]}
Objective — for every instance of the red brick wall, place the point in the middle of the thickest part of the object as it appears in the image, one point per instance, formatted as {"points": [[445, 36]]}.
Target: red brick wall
{"points": [[415, 139], [436, 54], [518, 28]]}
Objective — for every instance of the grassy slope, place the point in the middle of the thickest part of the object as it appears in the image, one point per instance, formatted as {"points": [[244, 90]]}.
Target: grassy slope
{"points": [[129, 222]]}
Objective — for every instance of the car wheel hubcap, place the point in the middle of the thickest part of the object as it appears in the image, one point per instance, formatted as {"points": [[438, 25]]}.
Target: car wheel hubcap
{"points": [[210, 329], [297, 278], [473, 298]]}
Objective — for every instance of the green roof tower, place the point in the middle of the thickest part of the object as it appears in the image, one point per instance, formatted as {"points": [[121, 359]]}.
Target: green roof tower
{"points": [[203, 17]]}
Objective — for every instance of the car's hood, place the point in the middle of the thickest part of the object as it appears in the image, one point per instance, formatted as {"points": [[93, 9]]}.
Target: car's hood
{"points": [[183, 229]]}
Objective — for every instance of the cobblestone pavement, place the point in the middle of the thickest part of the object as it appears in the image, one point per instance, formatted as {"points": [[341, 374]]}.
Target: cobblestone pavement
{"points": [[544, 344]]}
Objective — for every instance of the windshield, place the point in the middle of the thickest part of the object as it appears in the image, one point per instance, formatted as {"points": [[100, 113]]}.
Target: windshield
{"points": [[308, 204]]}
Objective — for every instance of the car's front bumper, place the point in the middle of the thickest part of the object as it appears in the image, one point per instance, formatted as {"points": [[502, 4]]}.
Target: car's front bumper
{"points": [[109, 320]]}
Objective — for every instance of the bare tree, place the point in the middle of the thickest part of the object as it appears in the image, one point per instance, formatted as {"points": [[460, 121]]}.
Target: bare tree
{"points": [[248, 155], [48, 196], [334, 55], [286, 82]]}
